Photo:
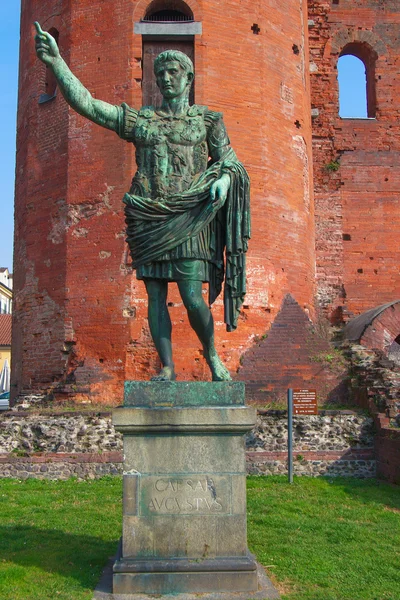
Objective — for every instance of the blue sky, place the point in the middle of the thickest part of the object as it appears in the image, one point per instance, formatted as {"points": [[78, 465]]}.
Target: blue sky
{"points": [[9, 48], [352, 87], [351, 78]]}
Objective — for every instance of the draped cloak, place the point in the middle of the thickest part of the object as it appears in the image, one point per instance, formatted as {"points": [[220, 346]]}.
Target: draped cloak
{"points": [[155, 226]]}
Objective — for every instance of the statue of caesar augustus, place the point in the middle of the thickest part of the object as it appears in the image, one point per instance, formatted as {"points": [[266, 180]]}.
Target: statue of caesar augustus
{"points": [[187, 211]]}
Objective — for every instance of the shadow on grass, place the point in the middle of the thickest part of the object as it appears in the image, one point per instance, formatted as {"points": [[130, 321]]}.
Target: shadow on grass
{"points": [[81, 557], [368, 491], [375, 492]]}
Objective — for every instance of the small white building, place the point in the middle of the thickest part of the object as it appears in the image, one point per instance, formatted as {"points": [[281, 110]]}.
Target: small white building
{"points": [[6, 284]]}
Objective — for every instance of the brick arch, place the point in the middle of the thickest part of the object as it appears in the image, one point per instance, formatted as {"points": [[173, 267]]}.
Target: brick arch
{"points": [[368, 56], [54, 21], [347, 37], [377, 328], [176, 5], [143, 5]]}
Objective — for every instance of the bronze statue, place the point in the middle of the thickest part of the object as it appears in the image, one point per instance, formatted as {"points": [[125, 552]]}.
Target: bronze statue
{"points": [[187, 211]]}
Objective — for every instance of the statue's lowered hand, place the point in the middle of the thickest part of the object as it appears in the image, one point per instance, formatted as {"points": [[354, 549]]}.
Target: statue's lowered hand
{"points": [[46, 46], [219, 190]]}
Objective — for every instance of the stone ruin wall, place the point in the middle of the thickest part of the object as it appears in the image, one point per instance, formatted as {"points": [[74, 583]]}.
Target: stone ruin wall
{"points": [[59, 446], [356, 207]]}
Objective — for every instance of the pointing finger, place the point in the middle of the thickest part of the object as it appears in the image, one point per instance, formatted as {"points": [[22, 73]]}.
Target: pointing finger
{"points": [[38, 28]]}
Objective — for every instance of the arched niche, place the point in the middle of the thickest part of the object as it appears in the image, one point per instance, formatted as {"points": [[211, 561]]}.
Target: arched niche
{"points": [[165, 25], [173, 11], [365, 87]]}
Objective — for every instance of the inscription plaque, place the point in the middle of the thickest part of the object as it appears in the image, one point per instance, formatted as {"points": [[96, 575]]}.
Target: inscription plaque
{"points": [[305, 402], [192, 495]]}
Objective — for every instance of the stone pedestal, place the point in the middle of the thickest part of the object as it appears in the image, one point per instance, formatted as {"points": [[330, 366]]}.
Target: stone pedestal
{"points": [[184, 505]]}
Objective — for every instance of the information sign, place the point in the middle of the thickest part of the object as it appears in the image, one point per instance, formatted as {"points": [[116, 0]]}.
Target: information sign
{"points": [[305, 402]]}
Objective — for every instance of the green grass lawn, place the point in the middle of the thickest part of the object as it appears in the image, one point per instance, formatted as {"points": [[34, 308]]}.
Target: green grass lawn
{"points": [[327, 539], [55, 537], [320, 539]]}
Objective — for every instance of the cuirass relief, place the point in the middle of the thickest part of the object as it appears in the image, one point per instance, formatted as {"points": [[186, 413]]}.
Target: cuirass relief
{"points": [[171, 152]]}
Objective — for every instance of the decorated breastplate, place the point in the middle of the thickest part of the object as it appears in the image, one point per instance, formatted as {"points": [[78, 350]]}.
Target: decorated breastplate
{"points": [[171, 151]]}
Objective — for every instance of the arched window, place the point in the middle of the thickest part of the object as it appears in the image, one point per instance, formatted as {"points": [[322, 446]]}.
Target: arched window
{"points": [[172, 11], [356, 75], [50, 80], [171, 22]]}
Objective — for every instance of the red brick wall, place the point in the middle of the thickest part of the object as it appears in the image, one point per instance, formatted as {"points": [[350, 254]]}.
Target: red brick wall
{"points": [[71, 284], [80, 317], [293, 354], [387, 446], [387, 449], [357, 207], [41, 189]]}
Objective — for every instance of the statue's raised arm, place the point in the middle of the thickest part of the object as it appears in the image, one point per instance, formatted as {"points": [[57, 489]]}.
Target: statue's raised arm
{"points": [[187, 217], [77, 96]]}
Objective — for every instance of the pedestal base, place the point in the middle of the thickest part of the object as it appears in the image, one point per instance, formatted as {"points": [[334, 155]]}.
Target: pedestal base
{"points": [[265, 590], [184, 513], [184, 576]]}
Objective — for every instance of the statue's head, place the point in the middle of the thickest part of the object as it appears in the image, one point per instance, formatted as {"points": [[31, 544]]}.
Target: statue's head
{"points": [[174, 73]]}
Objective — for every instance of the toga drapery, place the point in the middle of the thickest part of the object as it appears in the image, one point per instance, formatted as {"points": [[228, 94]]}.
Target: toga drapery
{"points": [[169, 213]]}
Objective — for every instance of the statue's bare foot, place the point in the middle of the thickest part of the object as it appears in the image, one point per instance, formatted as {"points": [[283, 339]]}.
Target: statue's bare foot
{"points": [[166, 374], [219, 371]]}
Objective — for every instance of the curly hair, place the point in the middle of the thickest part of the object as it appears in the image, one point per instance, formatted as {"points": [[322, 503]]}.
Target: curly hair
{"points": [[177, 56]]}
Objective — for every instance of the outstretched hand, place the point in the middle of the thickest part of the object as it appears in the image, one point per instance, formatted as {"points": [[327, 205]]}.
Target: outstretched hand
{"points": [[46, 46], [219, 190]]}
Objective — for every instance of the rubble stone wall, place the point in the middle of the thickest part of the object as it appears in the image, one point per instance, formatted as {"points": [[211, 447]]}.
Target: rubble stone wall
{"points": [[61, 446]]}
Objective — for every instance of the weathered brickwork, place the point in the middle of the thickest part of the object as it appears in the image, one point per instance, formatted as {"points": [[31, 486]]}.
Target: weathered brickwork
{"points": [[375, 386], [71, 284], [375, 378], [357, 206], [387, 445], [293, 353], [383, 330], [80, 324]]}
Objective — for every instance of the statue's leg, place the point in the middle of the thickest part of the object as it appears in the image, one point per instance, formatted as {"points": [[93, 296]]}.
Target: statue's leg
{"points": [[160, 326], [201, 320]]}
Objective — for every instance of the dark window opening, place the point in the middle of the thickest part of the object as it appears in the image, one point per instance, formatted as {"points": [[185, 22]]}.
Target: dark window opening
{"points": [[167, 16], [356, 76], [50, 84], [172, 11]]}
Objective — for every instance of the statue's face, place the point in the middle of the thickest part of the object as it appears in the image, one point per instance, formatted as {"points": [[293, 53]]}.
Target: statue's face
{"points": [[172, 80]]}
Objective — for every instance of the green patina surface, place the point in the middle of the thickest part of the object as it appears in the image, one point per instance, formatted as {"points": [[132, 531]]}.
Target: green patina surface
{"points": [[153, 394], [188, 217]]}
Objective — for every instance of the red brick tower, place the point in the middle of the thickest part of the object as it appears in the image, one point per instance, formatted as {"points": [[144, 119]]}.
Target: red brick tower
{"points": [[357, 205], [80, 323]]}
